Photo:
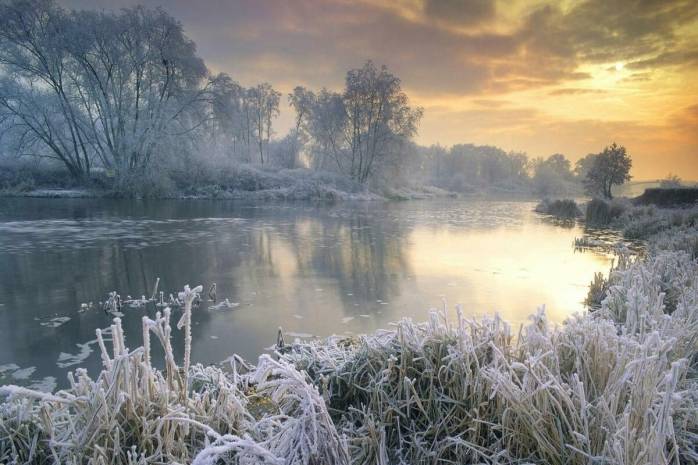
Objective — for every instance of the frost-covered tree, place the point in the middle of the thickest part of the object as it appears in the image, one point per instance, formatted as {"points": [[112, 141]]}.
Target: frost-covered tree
{"points": [[264, 107], [468, 167], [552, 175], [377, 115], [610, 167], [326, 125], [302, 101], [583, 165], [361, 127], [233, 123], [85, 86]]}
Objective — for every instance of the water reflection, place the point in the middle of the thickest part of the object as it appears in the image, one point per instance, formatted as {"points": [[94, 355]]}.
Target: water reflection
{"points": [[311, 269]]}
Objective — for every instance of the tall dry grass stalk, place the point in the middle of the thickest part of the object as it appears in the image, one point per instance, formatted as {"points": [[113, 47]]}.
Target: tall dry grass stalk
{"points": [[134, 413]]}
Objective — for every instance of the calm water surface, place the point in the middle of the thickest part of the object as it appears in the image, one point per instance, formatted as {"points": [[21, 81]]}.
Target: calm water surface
{"points": [[314, 270]]}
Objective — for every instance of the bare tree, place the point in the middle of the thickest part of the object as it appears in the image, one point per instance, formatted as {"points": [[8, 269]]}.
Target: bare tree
{"points": [[264, 107], [232, 123], [326, 127], [302, 101], [84, 86], [377, 114], [364, 125]]}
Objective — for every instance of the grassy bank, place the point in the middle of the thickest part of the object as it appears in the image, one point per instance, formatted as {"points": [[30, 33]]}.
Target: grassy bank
{"points": [[615, 386], [639, 221], [224, 181]]}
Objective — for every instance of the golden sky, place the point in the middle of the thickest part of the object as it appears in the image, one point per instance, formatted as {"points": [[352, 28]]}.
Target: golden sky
{"points": [[535, 76]]}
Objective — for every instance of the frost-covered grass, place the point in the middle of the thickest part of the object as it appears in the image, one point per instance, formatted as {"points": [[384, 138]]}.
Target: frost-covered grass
{"points": [[649, 221], [223, 180], [134, 413], [638, 221], [254, 182], [244, 181], [415, 192], [618, 385], [565, 209]]}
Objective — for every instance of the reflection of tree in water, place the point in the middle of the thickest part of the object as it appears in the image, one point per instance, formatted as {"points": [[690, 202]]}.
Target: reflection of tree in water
{"points": [[359, 249], [363, 252]]}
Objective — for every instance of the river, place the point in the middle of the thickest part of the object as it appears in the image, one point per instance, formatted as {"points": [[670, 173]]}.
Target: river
{"points": [[312, 269]]}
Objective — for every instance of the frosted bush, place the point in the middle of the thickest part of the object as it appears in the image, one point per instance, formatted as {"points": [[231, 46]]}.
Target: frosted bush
{"points": [[679, 239], [648, 289]]}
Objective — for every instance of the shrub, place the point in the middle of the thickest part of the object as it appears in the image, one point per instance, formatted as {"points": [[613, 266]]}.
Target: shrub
{"points": [[147, 184], [24, 177], [563, 209], [601, 213]]}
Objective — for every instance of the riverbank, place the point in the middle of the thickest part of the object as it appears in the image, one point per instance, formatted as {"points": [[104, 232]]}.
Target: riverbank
{"points": [[230, 182], [306, 192], [297, 192], [241, 181], [618, 385]]}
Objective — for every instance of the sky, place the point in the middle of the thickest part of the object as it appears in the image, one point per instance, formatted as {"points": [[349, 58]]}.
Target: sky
{"points": [[536, 76]]}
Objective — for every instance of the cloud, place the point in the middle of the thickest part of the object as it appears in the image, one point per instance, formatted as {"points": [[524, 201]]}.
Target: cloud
{"points": [[601, 31], [316, 41], [575, 91], [460, 12], [638, 77], [692, 111], [490, 103], [673, 58], [686, 122]]}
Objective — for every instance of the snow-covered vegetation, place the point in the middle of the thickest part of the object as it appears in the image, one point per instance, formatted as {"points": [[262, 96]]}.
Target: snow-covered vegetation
{"points": [[616, 385], [248, 181], [565, 209], [638, 221]]}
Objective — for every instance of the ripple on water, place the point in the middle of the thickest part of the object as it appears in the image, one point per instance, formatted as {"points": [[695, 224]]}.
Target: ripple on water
{"points": [[51, 234]]}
